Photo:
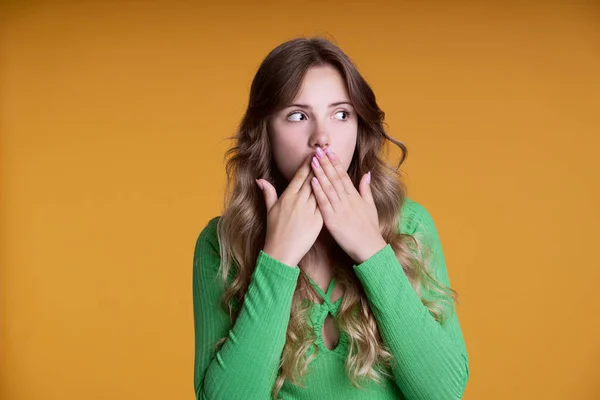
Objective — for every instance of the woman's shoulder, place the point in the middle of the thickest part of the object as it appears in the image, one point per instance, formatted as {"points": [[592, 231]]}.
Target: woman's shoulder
{"points": [[414, 217], [208, 234], [211, 225]]}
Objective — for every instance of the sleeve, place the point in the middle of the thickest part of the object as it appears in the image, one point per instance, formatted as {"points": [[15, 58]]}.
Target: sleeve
{"points": [[431, 359], [248, 361]]}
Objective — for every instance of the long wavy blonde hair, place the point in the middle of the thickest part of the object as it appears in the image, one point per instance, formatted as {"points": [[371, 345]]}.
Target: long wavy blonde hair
{"points": [[242, 225]]}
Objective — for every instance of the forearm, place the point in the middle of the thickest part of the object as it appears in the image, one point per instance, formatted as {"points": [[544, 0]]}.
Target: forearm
{"points": [[430, 361], [248, 361]]}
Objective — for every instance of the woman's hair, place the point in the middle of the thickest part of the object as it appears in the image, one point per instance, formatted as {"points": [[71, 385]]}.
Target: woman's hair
{"points": [[242, 226]]}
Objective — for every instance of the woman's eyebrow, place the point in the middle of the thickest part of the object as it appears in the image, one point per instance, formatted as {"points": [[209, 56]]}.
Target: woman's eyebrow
{"points": [[337, 103]]}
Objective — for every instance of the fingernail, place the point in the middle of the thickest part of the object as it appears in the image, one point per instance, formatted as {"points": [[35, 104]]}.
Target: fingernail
{"points": [[320, 152], [316, 162], [259, 183], [369, 177]]}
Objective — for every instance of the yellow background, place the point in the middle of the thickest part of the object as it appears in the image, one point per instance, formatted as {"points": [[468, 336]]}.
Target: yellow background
{"points": [[113, 116]]}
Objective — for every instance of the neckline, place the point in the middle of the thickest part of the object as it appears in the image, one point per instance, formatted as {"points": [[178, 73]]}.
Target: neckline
{"points": [[325, 296]]}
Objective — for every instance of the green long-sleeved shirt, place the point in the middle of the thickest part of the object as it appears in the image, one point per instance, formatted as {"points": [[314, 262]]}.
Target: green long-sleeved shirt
{"points": [[431, 358]]}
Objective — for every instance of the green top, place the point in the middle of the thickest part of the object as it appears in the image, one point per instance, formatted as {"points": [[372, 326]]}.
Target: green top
{"points": [[431, 359]]}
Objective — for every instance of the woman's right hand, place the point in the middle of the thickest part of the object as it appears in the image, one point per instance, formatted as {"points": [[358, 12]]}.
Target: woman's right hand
{"points": [[294, 220]]}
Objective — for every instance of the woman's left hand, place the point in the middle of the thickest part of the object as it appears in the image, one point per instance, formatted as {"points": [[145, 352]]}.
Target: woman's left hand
{"points": [[350, 216]]}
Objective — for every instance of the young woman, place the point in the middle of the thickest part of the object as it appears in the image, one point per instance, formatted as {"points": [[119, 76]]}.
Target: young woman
{"points": [[321, 279]]}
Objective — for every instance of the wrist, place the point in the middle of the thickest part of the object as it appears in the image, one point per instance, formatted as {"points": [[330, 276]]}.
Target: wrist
{"points": [[280, 256], [370, 250]]}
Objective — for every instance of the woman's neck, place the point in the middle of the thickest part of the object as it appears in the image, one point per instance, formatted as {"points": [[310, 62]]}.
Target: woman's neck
{"points": [[317, 262]]}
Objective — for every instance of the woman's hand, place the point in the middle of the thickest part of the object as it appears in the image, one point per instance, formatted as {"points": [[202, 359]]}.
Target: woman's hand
{"points": [[350, 216], [294, 220]]}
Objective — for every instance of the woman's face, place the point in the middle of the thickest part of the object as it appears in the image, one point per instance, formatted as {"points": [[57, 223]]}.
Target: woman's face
{"points": [[321, 115]]}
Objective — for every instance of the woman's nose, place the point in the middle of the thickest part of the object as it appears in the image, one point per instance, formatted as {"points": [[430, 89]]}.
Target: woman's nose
{"points": [[320, 138]]}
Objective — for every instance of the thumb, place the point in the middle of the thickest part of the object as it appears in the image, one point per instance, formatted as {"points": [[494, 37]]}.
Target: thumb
{"points": [[365, 189], [268, 191]]}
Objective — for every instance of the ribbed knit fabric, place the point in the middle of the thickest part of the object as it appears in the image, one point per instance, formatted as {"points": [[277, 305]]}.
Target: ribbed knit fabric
{"points": [[431, 359]]}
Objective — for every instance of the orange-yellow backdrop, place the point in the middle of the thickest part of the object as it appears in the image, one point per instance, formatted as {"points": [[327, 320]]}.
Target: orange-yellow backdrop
{"points": [[113, 116]]}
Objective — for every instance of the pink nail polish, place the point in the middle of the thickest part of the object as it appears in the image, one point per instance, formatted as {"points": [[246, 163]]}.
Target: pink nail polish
{"points": [[330, 153], [316, 162], [320, 152]]}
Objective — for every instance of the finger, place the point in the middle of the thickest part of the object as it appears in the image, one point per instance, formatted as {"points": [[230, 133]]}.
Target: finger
{"points": [[269, 192], [322, 200], [340, 172], [312, 202], [332, 176], [325, 183], [365, 189], [306, 189], [301, 175]]}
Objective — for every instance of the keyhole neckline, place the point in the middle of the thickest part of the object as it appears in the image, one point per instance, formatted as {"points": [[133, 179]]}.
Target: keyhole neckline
{"points": [[322, 310], [325, 296]]}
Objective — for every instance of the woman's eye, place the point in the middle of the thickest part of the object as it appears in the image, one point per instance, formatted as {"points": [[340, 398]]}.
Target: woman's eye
{"points": [[347, 114], [295, 117]]}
